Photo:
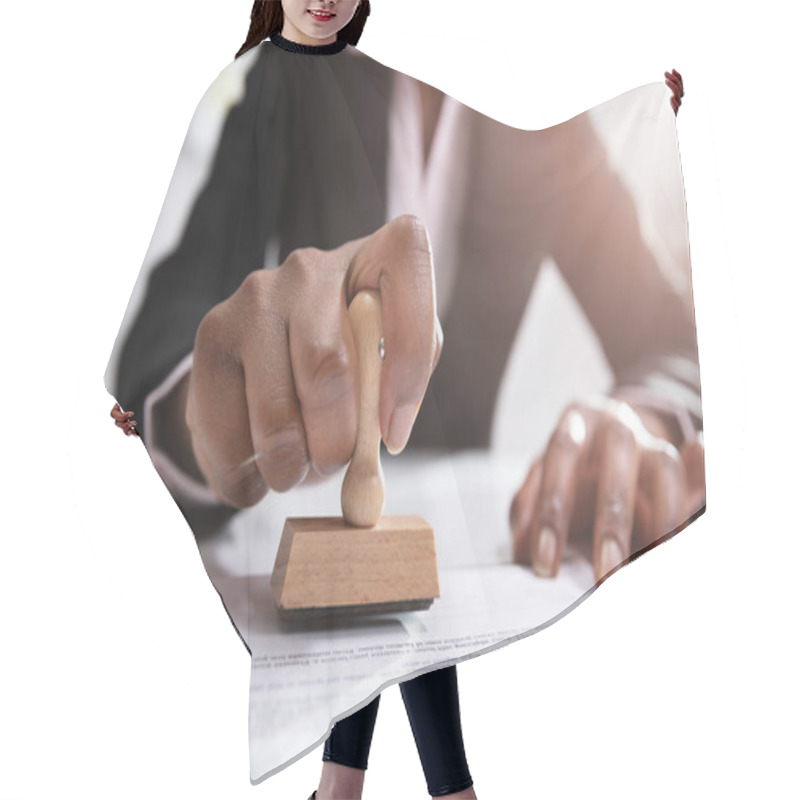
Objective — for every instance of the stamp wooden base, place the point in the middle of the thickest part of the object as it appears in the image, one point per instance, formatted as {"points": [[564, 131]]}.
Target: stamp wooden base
{"points": [[325, 566]]}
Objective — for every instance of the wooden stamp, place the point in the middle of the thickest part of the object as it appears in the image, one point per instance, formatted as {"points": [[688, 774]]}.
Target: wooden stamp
{"points": [[361, 562]]}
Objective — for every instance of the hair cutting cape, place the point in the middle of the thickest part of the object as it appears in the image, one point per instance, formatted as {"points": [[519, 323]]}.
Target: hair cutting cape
{"points": [[562, 277]]}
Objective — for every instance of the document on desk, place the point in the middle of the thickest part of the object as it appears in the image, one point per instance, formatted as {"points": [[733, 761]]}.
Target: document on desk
{"points": [[307, 673]]}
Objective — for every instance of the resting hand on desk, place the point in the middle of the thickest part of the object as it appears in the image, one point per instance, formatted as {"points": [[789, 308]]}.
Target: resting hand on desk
{"points": [[610, 481]]}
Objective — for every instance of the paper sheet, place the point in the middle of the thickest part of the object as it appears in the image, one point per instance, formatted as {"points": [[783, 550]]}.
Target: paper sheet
{"points": [[305, 673]]}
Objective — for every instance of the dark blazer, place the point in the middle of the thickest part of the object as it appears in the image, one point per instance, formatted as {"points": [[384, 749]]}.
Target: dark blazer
{"points": [[302, 159]]}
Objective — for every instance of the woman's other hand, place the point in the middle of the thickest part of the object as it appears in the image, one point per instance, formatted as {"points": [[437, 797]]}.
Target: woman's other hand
{"points": [[610, 482], [123, 420], [675, 82], [273, 392]]}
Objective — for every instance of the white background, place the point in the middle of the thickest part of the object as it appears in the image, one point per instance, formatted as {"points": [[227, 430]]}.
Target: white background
{"points": [[120, 675]]}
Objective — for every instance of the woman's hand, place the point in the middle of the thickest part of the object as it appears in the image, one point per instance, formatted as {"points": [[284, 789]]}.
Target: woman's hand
{"points": [[273, 392], [122, 419], [675, 82], [610, 482]]}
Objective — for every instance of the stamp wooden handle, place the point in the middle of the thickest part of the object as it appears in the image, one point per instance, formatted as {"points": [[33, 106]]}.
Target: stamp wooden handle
{"points": [[363, 488]]}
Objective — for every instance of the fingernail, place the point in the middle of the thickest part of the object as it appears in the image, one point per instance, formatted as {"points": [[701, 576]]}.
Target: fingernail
{"points": [[545, 552], [400, 428], [610, 555]]}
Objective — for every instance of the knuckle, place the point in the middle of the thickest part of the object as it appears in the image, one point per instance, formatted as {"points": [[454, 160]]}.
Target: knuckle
{"points": [[626, 418], [255, 283], [215, 344], [254, 294], [615, 513], [619, 434], [569, 434], [563, 438], [300, 265], [283, 451], [667, 460], [553, 509], [329, 371], [252, 314], [210, 332]]}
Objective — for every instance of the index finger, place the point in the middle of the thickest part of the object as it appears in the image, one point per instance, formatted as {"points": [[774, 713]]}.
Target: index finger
{"points": [[398, 262]]}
